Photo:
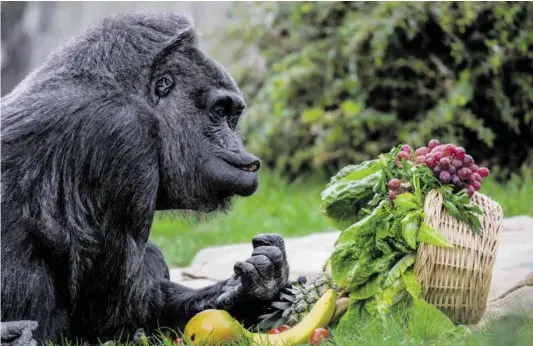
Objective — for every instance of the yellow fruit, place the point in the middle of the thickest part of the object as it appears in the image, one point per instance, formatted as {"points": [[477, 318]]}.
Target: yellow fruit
{"points": [[211, 327], [319, 317]]}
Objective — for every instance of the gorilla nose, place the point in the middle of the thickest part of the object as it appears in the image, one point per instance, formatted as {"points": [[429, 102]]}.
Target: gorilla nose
{"points": [[254, 166], [249, 162]]}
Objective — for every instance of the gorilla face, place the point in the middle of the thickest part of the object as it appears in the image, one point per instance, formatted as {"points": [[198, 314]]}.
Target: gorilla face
{"points": [[198, 106]]}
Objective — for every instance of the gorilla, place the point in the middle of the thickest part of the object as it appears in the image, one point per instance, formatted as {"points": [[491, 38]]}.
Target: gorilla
{"points": [[127, 119]]}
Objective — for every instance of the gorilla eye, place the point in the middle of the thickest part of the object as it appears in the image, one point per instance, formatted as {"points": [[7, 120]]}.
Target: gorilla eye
{"points": [[163, 86], [223, 107]]}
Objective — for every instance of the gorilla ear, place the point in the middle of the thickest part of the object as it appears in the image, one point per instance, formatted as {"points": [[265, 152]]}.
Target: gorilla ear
{"points": [[181, 42], [185, 39]]}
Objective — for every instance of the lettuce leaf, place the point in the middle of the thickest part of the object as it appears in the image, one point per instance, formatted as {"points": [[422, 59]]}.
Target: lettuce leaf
{"points": [[365, 227], [343, 201], [399, 268], [429, 235], [356, 172], [367, 290], [382, 302]]}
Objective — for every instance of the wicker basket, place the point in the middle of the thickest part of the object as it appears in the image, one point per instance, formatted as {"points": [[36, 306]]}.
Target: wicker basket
{"points": [[457, 280]]}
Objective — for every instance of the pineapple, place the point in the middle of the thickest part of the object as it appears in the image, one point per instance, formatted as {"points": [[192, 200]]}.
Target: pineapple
{"points": [[295, 301]]}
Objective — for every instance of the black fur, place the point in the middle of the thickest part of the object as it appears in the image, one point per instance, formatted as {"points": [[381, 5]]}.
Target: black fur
{"points": [[93, 143]]}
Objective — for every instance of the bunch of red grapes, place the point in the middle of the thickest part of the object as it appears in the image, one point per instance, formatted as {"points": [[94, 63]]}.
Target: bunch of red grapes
{"points": [[450, 164]]}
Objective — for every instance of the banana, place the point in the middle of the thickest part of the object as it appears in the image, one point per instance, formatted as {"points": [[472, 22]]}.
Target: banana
{"points": [[211, 327], [319, 317]]}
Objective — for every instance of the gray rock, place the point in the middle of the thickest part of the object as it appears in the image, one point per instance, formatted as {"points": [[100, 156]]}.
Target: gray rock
{"points": [[514, 259], [306, 256], [518, 223]]}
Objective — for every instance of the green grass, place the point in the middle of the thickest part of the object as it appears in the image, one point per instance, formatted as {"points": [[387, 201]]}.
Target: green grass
{"points": [[421, 330], [290, 210], [515, 195]]}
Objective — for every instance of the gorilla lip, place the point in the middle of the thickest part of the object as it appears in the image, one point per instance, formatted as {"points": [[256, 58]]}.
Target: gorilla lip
{"points": [[232, 177]]}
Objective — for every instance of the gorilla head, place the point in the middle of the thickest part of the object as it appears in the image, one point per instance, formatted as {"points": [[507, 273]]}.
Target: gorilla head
{"points": [[198, 106], [192, 105]]}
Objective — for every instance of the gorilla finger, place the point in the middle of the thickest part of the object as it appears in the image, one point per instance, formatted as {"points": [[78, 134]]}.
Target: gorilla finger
{"points": [[269, 239], [273, 253], [246, 271], [263, 266]]}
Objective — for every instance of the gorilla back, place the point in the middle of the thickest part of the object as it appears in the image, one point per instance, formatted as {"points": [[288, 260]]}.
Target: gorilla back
{"points": [[129, 118]]}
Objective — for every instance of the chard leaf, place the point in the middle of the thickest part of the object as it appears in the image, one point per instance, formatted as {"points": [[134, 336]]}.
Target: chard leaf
{"points": [[410, 225], [356, 172], [429, 235], [406, 202]]}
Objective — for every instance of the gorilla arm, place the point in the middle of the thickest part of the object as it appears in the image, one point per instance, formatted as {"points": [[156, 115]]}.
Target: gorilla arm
{"points": [[256, 281]]}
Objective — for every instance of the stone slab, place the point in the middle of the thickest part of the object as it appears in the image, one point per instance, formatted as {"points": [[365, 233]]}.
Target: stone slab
{"points": [[307, 255]]}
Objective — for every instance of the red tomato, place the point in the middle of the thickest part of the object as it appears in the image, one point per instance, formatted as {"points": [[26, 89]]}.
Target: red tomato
{"points": [[273, 331], [319, 335], [283, 328]]}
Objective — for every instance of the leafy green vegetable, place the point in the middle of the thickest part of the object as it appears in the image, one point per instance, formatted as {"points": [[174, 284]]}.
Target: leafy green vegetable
{"points": [[375, 252], [356, 172], [399, 268], [460, 206], [406, 202], [365, 226], [428, 235], [365, 268], [382, 301], [412, 286], [342, 201], [410, 225], [369, 289], [423, 316], [342, 261]]}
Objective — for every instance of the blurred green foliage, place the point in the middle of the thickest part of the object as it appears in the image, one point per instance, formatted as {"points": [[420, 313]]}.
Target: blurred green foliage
{"points": [[346, 81]]}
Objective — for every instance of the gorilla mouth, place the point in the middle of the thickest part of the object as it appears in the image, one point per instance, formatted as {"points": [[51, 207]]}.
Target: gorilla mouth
{"points": [[234, 174]]}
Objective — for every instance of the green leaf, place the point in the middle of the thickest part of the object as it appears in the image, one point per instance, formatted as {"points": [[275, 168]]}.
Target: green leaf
{"points": [[343, 260], [356, 172], [406, 202], [350, 108], [311, 115], [429, 235], [365, 227], [382, 302], [428, 319], [413, 287], [399, 268], [410, 225], [452, 209], [368, 289]]}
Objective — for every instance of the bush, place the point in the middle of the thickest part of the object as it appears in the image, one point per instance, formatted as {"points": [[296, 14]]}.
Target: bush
{"points": [[348, 80]]}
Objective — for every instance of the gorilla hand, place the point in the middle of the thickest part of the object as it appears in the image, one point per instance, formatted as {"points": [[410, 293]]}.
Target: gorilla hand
{"points": [[260, 277]]}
